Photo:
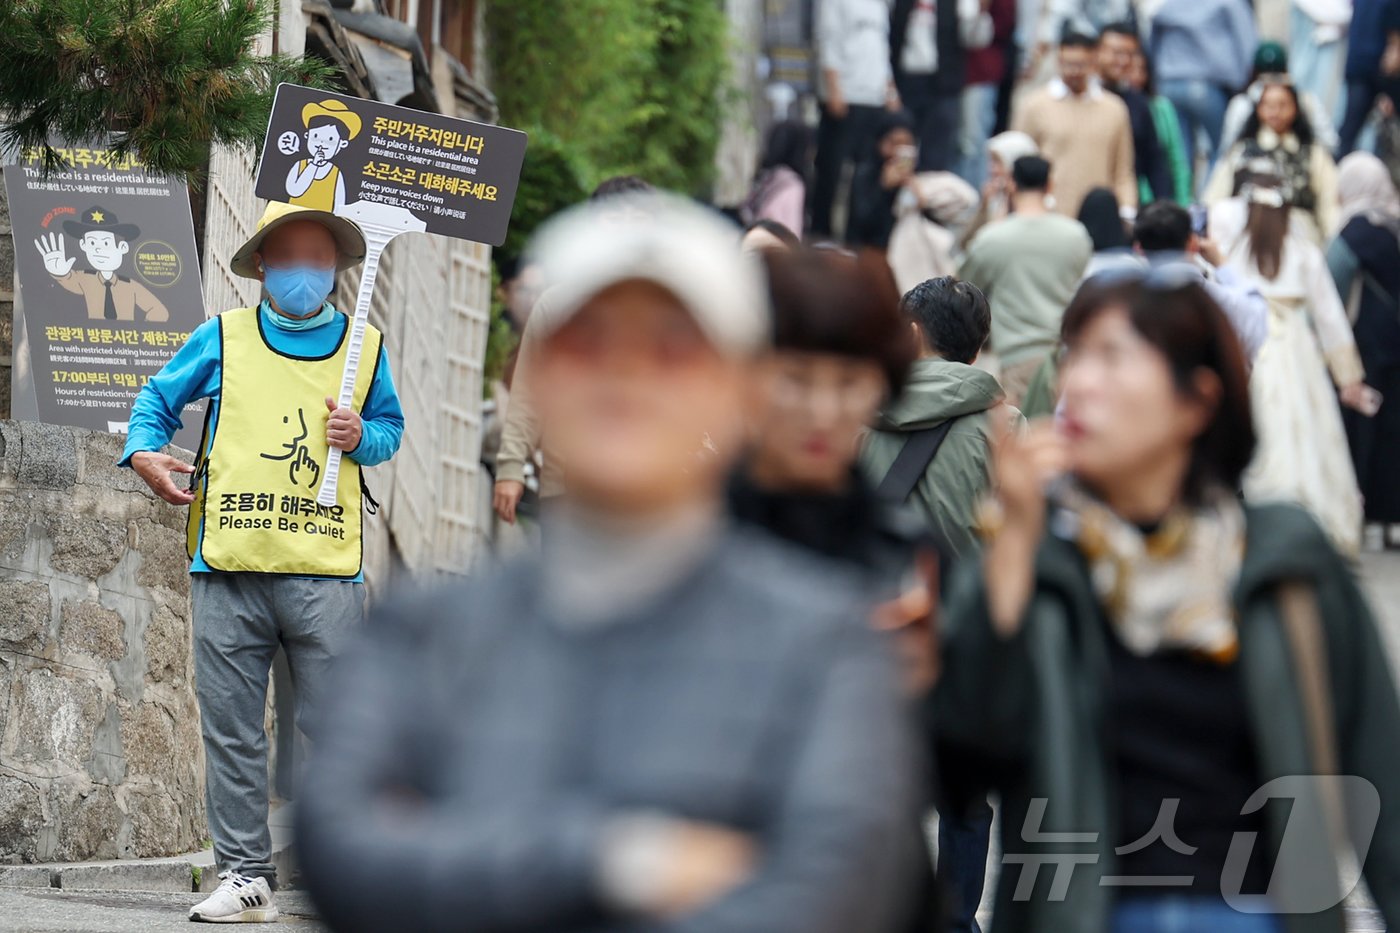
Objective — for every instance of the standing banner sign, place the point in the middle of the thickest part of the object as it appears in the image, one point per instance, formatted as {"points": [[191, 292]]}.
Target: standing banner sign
{"points": [[109, 285], [392, 170]]}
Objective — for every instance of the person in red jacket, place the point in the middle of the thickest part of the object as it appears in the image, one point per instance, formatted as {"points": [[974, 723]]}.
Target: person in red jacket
{"points": [[987, 68]]}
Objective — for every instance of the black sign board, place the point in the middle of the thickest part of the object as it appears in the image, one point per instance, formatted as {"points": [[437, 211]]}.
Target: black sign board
{"points": [[329, 151], [109, 285]]}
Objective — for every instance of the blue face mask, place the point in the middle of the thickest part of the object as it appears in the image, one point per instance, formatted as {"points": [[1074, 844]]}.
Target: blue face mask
{"points": [[299, 290]]}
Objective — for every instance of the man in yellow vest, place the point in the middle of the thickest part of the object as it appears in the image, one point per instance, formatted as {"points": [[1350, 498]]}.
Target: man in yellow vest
{"points": [[269, 566]]}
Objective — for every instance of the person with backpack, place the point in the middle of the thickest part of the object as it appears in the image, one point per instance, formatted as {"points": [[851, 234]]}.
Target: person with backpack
{"points": [[931, 448], [946, 411]]}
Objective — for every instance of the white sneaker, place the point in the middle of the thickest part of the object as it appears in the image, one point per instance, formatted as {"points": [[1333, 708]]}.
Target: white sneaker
{"points": [[238, 899]]}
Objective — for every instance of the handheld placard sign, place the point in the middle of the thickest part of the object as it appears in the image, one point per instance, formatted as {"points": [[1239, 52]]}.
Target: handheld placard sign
{"points": [[392, 170]]}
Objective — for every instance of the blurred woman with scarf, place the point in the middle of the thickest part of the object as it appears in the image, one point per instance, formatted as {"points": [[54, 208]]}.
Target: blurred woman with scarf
{"points": [[1139, 658]]}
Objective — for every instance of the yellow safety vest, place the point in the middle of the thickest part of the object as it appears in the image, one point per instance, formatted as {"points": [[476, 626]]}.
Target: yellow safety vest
{"points": [[260, 467]]}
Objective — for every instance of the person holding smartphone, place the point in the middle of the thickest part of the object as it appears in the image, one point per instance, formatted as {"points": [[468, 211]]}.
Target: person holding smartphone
{"points": [[877, 184]]}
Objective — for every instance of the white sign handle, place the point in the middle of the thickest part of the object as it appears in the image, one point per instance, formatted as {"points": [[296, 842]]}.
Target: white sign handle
{"points": [[379, 226]]}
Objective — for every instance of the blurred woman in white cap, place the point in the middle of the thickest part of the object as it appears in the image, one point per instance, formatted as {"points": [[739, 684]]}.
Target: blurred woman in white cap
{"points": [[268, 566]]}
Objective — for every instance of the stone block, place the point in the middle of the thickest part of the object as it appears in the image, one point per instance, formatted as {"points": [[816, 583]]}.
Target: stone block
{"points": [[188, 762], [6, 402], [87, 821], [90, 629], [7, 262], [48, 456], [148, 739], [108, 762], [156, 827], [7, 677], [85, 547], [164, 562], [25, 614], [25, 876], [14, 528], [55, 718], [173, 876], [21, 817], [167, 645], [99, 465]]}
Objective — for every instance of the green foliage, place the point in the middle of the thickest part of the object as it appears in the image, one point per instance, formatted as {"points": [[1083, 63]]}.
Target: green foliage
{"points": [[635, 86], [550, 181], [501, 339], [168, 76]]}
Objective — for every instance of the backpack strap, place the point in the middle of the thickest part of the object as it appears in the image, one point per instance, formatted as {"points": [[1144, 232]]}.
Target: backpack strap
{"points": [[914, 459], [1302, 626]]}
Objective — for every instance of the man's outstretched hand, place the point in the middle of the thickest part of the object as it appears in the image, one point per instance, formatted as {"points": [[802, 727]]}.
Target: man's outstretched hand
{"points": [[155, 468]]}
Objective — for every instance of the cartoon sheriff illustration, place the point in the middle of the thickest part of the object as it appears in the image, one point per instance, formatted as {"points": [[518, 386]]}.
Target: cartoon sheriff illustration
{"points": [[316, 182], [105, 243]]}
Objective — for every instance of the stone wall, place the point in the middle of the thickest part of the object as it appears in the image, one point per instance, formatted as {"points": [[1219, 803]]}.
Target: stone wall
{"points": [[7, 304], [99, 731]]}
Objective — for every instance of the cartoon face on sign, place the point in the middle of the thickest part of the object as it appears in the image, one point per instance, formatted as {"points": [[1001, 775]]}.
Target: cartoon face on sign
{"points": [[105, 243], [316, 182], [104, 251]]}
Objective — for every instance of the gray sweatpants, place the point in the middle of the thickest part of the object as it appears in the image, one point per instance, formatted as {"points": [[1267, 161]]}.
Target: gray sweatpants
{"points": [[239, 621]]}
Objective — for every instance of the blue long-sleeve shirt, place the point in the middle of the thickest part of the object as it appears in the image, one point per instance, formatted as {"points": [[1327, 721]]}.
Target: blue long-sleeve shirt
{"points": [[196, 370]]}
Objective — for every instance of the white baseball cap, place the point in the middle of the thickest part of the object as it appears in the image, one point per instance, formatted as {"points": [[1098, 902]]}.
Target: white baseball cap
{"points": [[688, 250]]}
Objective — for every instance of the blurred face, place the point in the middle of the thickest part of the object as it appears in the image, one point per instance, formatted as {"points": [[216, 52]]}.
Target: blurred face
{"points": [[1076, 66], [809, 412], [1277, 110], [299, 243], [897, 142], [998, 172], [1123, 415], [1136, 77], [1116, 56], [629, 389]]}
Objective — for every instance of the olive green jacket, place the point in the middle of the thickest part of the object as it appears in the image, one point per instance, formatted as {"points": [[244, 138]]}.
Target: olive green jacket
{"points": [[948, 495], [1030, 709]]}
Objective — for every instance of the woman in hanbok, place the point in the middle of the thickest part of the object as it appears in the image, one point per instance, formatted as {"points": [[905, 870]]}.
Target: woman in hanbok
{"points": [[1303, 455], [1279, 133]]}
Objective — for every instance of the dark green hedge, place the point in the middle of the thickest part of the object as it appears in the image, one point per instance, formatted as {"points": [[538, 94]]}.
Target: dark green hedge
{"points": [[603, 87], [632, 86]]}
